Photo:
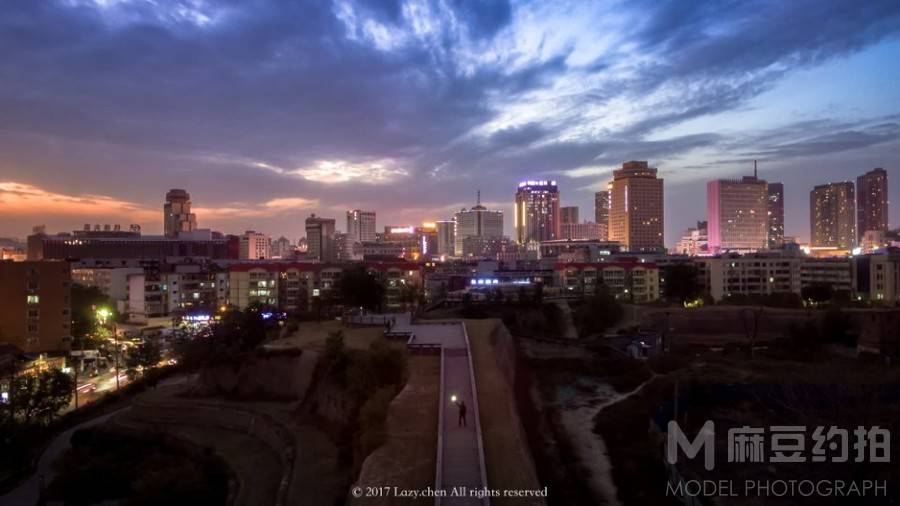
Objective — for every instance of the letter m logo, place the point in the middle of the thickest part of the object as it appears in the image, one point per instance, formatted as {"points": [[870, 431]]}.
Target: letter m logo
{"points": [[705, 440]]}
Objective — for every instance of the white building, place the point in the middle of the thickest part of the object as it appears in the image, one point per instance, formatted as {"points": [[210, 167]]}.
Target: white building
{"points": [[255, 246], [752, 275]]}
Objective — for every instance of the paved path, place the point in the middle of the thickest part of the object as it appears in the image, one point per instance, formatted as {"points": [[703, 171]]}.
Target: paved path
{"points": [[461, 461]]}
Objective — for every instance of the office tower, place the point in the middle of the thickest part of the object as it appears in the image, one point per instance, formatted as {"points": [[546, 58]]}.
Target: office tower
{"points": [[255, 246], [361, 225], [35, 315], [738, 214], [775, 211], [537, 212], [478, 221], [871, 202], [446, 237], [832, 215], [177, 215], [320, 238], [568, 214], [601, 212], [636, 208]]}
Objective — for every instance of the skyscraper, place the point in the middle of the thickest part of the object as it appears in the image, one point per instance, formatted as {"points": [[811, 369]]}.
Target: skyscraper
{"points": [[446, 237], [177, 215], [871, 202], [361, 225], [636, 208], [476, 222], [601, 212], [737, 214], [832, 215], [775, 211], [320, 238], [536, 216]]}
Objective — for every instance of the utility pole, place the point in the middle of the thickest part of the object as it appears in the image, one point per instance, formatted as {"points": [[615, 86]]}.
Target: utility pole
{"points": [[116, 338]]}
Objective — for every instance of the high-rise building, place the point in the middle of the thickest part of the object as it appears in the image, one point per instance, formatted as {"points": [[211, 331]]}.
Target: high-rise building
{"points": [[320, 238], [255, 246], [587, 230], [775, 211], [601, 212], [537, 212], [361, 225], [177, 215], [832, 215], [636, 208], [738, 214], [568, 214], [871, 202], [476, 222], [446, 237]]}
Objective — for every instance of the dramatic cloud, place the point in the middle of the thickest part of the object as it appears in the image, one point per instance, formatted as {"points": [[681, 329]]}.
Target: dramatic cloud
{"points": [[266, 111]]}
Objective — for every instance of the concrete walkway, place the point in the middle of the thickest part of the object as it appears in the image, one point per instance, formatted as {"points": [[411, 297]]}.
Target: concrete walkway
{"points": [[460, 464], [460, 467]]}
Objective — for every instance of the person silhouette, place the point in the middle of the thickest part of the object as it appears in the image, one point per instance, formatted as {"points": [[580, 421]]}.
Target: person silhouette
{"points": [[462, 413]]}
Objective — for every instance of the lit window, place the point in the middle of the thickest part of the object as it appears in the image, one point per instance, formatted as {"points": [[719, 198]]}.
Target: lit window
{"points": [[33, 299]]}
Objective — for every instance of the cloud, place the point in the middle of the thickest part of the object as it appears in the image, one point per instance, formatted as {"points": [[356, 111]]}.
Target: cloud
{"points": [[25, 200], [437, 98]]}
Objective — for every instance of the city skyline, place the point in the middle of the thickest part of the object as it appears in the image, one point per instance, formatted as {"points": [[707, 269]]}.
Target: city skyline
{"points": [[257, 130]]}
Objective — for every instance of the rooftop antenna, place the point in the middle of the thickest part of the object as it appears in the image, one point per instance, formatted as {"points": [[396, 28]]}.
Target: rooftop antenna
{"points": [[478, 197], [754, 169]]}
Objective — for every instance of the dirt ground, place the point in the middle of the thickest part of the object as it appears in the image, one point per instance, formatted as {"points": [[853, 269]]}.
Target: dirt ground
{"points": [[407, 460]]}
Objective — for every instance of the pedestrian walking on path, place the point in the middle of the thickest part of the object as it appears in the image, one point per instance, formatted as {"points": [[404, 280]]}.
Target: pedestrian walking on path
{"points": [[462, 413]]}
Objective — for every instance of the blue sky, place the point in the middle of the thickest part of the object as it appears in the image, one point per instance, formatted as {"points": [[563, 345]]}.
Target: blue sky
{"points": [[268, 111]]}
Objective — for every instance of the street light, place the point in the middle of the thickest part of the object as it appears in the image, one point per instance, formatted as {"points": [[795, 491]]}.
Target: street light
{"points": [[103, 315]]}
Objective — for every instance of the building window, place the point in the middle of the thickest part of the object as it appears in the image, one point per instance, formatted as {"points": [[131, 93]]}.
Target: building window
{"points": [[33, 299], [32, 328], [34, 313]]}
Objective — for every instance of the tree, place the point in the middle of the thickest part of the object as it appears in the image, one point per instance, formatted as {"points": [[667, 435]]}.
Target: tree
{"points": [[39, 397], [817, 292], [598, 312], [145, 355], [360, 288], [85, 301], [681, 283]]}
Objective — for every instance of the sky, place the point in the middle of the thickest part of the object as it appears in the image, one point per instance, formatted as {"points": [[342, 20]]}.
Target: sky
{"points": [[267, 111]]}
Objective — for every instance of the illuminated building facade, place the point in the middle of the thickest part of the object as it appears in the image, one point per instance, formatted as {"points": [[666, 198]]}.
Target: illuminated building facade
{"points": [[871, 202], [537, 214], [832, 215], [636, 208], [738, 215], [775, 211], [478, 221], [255, 246], [361, 225], [601, 213]]}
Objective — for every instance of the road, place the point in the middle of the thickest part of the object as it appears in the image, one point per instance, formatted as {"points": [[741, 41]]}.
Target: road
{"points": [[92, 389]]}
